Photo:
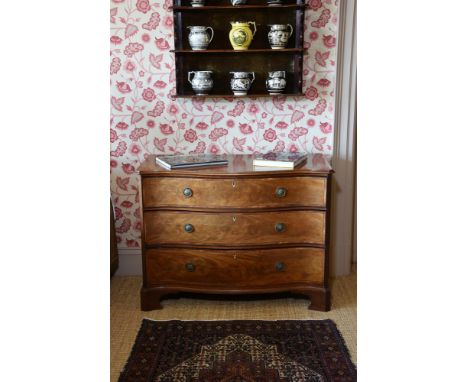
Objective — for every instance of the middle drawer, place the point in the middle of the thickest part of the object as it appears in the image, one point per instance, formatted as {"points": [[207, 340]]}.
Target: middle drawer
{"points": [[234, 229]]}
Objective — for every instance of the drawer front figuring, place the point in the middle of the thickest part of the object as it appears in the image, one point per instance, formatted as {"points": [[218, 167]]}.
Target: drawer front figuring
{"points": [[231, 268], [234, 193], [231, 229]]}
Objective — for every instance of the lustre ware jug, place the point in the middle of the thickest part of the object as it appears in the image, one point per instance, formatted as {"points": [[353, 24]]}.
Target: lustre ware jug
{"points": [[241, 35], [202, 82], [199, 38]]}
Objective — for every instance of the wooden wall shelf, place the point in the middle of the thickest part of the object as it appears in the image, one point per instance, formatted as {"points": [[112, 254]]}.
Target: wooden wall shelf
{"points": [[231, 96], [232, 51], [221, 58], [231, 7]]}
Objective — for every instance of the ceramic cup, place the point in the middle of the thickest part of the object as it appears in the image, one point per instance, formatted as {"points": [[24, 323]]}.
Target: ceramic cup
{"points": [[199, 38], [241, 82], [279, 34], [202, 81], [276, 82], [197, 3]]}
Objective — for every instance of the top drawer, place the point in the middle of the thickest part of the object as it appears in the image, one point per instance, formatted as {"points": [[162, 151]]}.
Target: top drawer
{"points": [[234, 193]]}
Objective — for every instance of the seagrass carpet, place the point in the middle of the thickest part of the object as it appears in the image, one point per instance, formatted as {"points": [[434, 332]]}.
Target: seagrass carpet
{"points": [[126, 316], [239, 351]]}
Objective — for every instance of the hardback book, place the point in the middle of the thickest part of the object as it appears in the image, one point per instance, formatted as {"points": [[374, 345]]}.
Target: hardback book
{"points": [[271, 168], [185, 161], [284, 160]]}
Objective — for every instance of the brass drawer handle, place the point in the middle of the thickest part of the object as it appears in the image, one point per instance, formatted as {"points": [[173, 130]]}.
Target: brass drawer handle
{"points": [[280, 192], [190, 267], [188, 192], [280, 266], [189, 228], [280, 227]]}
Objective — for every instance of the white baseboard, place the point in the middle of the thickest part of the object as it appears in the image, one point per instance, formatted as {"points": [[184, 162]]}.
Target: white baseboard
{"points": [[129, 262]]}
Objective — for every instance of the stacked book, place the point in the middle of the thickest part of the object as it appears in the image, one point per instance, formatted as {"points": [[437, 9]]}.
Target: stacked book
{"points": [[262, 162], [186, 161], [279, 160]]}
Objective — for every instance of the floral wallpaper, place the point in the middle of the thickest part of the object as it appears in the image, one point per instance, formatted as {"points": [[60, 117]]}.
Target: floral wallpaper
{"points": [[145, 120]]}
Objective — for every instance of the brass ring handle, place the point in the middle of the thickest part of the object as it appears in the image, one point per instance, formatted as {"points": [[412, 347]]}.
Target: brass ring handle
{"points": [[190, 267], [280, 192], [280, 266], [189, 228], [280, 227], [188, 192]]}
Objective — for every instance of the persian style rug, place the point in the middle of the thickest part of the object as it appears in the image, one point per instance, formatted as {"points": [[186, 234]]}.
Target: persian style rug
{"points": [[239, 351]]}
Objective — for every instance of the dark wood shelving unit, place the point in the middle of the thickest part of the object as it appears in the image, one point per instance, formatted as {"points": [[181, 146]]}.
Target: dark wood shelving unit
{"points": [[221, 58]]}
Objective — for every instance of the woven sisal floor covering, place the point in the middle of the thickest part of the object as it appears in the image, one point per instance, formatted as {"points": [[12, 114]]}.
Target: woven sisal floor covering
{"points": [[125, 314]]}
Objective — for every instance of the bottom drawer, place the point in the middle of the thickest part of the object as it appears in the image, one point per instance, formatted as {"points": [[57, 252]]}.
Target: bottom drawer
{"points": [[235, 268]]}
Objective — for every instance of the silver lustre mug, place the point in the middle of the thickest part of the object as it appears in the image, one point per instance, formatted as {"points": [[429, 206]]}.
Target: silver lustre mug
{"points": [[197, 3], [241, 82], [276, 82], [279, 34]]}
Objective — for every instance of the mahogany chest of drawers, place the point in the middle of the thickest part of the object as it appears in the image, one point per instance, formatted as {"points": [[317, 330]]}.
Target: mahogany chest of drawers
{"points": [[235, 230]]}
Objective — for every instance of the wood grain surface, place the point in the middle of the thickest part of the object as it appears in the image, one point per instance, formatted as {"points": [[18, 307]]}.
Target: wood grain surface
{"points": [[235, 268], [234, 193], [234, 229]]}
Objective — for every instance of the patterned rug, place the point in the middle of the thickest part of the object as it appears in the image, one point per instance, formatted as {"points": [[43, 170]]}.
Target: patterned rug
{"points": [[239, 351]]}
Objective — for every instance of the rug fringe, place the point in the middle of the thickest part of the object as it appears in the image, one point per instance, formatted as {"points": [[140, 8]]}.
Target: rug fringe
{"points": [[343, 342], [298, 319]]}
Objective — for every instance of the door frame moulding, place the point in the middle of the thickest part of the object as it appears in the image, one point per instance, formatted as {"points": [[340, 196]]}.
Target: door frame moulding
{"points": [[344, 150]]}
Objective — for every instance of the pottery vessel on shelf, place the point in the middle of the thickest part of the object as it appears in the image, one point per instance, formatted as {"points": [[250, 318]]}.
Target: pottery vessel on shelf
{"points": [[202, 81], [241, 82], [241, 35], [275, 2], [276, 82], [279, 34], [199, 38], [197, 3], [238, 2]]}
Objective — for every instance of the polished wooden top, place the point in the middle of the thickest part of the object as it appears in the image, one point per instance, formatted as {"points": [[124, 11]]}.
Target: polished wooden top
{"points": [[240, 165]]}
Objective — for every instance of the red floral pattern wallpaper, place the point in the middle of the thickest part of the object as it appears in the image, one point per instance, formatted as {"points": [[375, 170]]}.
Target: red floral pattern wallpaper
{"points": [[145, 120]]}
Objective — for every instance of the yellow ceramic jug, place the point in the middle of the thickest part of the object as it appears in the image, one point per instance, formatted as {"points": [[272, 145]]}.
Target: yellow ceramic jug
{"points": [[240, 35]]}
